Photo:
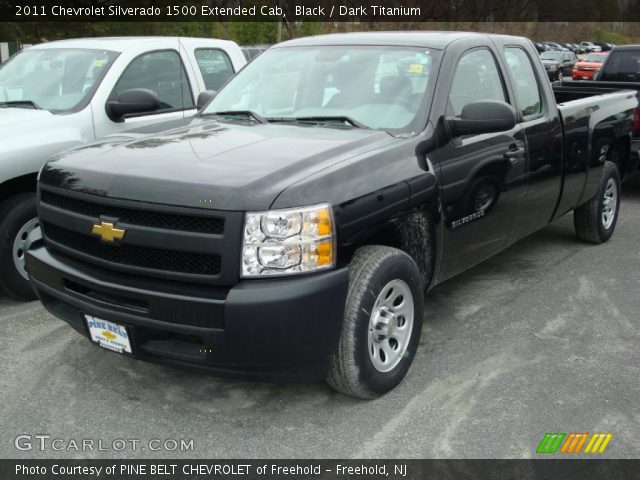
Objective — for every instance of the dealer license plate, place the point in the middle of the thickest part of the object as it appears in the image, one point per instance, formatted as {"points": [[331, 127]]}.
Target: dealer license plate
{"points": [[109, 335]]}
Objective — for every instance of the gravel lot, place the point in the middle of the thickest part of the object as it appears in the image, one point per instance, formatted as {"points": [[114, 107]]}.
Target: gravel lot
{"points": [[542, 338]]}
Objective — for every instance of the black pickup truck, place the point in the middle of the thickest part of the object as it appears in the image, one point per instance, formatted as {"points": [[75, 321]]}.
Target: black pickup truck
{"points": [[621, 69], [290, 230]]}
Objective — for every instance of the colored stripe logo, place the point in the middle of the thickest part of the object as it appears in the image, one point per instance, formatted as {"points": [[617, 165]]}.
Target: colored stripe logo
{"points": [[574, 443]]}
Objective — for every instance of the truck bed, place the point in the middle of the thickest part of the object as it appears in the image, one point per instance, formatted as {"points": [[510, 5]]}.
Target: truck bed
{"points": [[604, 110]]}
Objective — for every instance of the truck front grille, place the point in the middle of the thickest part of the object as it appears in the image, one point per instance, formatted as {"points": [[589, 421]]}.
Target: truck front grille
{"points": [[186, 244], [133, 255], [146, 218]]}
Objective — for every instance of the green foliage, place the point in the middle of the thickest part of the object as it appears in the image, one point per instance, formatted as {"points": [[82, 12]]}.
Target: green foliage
{"points": [[310, 28], [252, 33], [611, 37]]}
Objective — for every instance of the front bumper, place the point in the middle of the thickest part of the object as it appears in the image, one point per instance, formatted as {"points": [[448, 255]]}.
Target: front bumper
{"points": [[272, 329], [582, 74], [553, 75]]}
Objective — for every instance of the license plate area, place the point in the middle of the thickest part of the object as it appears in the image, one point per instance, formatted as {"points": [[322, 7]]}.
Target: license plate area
{"points": [[109, 335]]}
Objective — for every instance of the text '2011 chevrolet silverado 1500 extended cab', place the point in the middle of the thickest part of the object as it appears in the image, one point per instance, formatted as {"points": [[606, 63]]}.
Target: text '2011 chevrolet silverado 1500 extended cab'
{"points": [[291, 229], [60, 95]]}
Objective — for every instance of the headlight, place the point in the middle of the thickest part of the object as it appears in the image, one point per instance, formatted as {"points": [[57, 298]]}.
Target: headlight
{"points": [[285, 242], [553, 68]]}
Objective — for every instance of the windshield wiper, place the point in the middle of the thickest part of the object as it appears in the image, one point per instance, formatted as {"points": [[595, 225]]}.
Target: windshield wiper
{"points": [[321, 119], [243, 113], [20, 104]]}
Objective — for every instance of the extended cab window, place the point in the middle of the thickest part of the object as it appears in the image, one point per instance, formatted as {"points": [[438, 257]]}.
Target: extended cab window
{"points": [[215, 67], [161, 72], [524, 82], [476, 78]]}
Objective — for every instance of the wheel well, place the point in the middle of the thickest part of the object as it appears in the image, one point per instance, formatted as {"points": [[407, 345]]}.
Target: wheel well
{"points": [[414, 234], [25, 183]]}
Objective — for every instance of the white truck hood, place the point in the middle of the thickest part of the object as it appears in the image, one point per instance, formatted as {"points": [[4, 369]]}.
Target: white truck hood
{"points": [[28, 138], [16, 119]]}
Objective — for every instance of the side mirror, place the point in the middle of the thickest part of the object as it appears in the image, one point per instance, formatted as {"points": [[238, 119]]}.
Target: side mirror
{"points": [[204, 98], [131, 102], [485, 116]]}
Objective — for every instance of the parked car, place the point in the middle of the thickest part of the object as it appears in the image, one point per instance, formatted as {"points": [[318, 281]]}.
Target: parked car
{"points": [[605, 47], [252, 51], [586, 68], [58, 95], [555, 46], [558, 64], [540, 47], [621, 69], [579, 48], [591, 47], [571, 47], [289, 230]]}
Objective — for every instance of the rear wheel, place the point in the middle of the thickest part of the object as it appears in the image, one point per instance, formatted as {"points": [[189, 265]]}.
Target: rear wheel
{"points": [[382, 324], [17, 219], [595, 221]]}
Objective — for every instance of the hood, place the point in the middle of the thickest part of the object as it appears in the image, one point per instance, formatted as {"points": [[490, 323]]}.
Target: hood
{"points": [[594, 65], [16, 119], [209, 164]]}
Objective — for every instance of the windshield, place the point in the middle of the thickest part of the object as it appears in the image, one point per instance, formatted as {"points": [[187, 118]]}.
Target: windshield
{"points": [[57, 80], [551, 56], [593, 58], [375, 87]]}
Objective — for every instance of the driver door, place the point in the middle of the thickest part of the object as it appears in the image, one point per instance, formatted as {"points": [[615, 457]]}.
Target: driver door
{"points": [[162, 72], [484, 175]]}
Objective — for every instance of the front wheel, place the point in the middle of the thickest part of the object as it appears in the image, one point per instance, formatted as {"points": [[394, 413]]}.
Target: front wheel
{"points": [[17, 219], [595, 221], [382, 323]]}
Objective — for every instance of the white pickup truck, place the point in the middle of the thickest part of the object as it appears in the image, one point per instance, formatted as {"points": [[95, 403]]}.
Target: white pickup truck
{"points": [[63, 94]]}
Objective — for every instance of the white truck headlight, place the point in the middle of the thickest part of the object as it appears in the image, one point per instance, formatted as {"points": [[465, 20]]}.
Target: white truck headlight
{"points": [[553, 68], [285, 242]]}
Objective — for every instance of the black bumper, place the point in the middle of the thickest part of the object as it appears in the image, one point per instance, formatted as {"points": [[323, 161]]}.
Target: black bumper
{"points": [[284, 329]]}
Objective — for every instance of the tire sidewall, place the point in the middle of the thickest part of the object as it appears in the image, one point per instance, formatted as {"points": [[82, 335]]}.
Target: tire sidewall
{"points": [[14, 219], [610, 171], [398, 266]]}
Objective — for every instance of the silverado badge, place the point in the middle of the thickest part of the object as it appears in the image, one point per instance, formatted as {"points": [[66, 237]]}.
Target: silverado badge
{"points": [[107, 232]]}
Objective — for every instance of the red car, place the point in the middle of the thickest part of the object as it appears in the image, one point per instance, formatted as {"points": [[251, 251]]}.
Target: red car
{"points": [[586, 68]]}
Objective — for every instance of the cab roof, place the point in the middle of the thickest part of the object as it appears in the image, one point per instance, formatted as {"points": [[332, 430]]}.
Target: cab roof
{"points": [[115, 44], [437, 40]]}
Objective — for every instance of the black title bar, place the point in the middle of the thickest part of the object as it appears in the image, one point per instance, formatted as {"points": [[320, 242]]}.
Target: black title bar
{"points": [[320, 10], [586, 469]]}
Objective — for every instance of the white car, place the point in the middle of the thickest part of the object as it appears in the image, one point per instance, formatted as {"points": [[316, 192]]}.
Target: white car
{"points": [[591, 47], [63, 94]]}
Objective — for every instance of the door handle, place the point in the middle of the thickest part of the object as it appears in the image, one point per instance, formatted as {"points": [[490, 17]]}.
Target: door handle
{"points": [[514, 153]]}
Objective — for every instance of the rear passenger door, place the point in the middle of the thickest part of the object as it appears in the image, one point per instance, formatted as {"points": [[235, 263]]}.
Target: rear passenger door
{"points": [[483, 176], [537, 113], [161, 71]]}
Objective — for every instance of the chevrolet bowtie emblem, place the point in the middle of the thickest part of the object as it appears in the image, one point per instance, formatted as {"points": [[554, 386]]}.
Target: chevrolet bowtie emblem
{"points": [[107, 232]]}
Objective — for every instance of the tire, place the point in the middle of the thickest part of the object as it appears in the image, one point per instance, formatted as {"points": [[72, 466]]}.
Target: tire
{"points": [[17, 216], [358, 368], [590, 220]]}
